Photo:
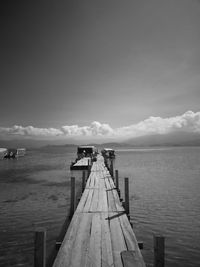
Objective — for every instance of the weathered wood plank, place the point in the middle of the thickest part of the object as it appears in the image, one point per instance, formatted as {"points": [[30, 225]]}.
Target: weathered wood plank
{"points": [[89, 201], [129, 260], [83, 201], [94, 256], [64, 254], [106, 243], [131, 241], [81, 245], [117, 239]]}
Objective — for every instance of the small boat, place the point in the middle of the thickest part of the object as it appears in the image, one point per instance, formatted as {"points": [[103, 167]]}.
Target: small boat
{"points": [[15, 152], [87, 151], [108, 153], [3, 152], [21, 152], [85, 156]]}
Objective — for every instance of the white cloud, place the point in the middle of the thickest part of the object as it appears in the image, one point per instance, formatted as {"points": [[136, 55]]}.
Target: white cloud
{"points": [[30, 131], [188, 122], [95, 129]]}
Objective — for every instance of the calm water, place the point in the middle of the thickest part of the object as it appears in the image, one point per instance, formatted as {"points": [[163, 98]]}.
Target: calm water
{"points": [[164, 199]]}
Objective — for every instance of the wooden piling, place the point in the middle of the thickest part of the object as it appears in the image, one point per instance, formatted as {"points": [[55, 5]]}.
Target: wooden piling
{"points": [[111, 168], [159, 251], [117, 181], [73, 197], [126, 196], [83, 181], [40, 248], [89, 168]]}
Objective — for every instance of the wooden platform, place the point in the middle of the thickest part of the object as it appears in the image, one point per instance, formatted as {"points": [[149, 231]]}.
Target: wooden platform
{"points": [[99, 231], [81, 164]]}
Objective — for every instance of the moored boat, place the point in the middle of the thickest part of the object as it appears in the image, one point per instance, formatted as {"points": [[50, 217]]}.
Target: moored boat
{"points": [[85, 156], [15, 152], [86, 151], [3, 152], [108, 153], [21, 152]]}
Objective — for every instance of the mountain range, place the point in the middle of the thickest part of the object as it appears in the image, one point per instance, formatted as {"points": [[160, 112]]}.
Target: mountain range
{"points": [[171, 139]]}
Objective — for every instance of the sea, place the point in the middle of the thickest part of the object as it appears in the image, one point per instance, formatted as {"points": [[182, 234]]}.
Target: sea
{"points": [[164, 186]]}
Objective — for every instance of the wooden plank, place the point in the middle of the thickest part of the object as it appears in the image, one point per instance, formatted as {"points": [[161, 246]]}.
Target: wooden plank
{"points": [[95, 201], [129, 260], [111, 201], [131, 241], [106, 244], [63, 256], [89, 201], [104, 201], [83, 201], [117, 239], [94, 255], [117, 201], [79, 253]]}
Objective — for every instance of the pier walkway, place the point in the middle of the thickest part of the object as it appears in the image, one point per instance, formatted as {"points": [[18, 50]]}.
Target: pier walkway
{"points": [[100, 233]]}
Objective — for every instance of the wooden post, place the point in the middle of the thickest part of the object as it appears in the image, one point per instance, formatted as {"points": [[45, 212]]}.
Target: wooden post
{"points": [[83, 181], [89, 169], [159, 251], [73, 197], [111, 168], [40, 248], [117, 179], [126, 195], [117, 182]]}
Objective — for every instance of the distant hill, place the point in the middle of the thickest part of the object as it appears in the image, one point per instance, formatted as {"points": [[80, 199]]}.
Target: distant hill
{"points": [[171, 139], [30, 143]]}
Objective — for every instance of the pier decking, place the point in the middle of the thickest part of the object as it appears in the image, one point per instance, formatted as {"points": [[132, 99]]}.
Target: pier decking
{"points": [[99, 233], [81, 164]]}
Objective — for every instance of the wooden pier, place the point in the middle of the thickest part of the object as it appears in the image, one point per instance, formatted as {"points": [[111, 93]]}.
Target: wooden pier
{"points": [[100, 233]]}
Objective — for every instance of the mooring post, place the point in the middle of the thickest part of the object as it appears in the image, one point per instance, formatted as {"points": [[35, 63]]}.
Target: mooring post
{"points": [[40, 248], [111, 168], [83, 181], [126, 196], [159, 251], [117, 181], [73, 197], [89, 168]]}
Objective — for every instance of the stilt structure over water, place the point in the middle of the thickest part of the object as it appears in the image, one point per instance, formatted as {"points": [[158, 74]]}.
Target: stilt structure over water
{"points": [[100, 233]]}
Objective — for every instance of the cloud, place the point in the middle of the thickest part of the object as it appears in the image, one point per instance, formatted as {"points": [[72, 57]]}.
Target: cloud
{"points": [[188, 122], [30, 131], [95, 129]]}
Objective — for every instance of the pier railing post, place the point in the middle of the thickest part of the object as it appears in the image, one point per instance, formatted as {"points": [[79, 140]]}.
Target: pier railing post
{"points": [[89, 168], [73, 197], [40, 248], [159, 251], [117, 181], [126, 196], [83, 181], [111, 168]]}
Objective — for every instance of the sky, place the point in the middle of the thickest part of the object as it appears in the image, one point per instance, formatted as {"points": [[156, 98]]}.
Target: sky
{"points": [[96, 69]]}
